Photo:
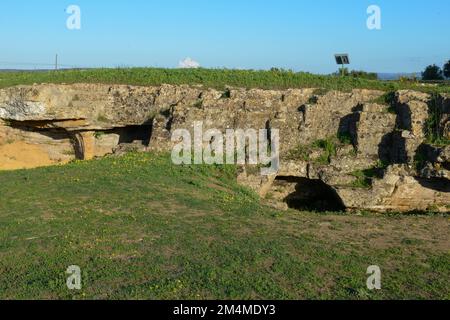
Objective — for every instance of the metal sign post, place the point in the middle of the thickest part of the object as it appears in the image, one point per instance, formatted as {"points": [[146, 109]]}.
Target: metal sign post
{"points": [[342, 59]]}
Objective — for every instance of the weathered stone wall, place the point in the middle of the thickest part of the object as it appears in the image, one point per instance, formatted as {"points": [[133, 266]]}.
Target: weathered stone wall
{"points": [[57, 123]]}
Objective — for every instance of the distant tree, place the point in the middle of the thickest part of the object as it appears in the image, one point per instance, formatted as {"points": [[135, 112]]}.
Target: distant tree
{"points": [[356, 74], [432, 72], [364, 75], [281, 70], [447, 69], [408, 78]]}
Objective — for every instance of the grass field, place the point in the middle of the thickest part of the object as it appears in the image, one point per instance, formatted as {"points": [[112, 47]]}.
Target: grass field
{"points": [[212, 78], [140, 227]]}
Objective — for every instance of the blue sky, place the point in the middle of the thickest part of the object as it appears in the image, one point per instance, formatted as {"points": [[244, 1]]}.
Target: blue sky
{"points": [[296, 34]]}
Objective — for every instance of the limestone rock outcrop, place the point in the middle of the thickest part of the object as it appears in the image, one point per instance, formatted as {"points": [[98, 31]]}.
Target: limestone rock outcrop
{"points": [[339, 150]]}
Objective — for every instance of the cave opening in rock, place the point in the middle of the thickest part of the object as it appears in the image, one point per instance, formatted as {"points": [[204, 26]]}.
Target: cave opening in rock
{"points": [[309, 194], [31, 144], [132, 134]]}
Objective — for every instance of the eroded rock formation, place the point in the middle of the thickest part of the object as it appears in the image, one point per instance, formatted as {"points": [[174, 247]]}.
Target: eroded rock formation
{"points": [[339, 150]]}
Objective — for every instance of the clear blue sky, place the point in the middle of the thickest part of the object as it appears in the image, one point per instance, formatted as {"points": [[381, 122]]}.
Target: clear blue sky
{"points": [[257, 34]]}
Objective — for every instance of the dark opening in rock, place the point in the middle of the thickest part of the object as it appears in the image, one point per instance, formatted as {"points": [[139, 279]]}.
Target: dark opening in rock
{"points": [[132, 134], [40, 127], [437, 184], [309, 194]]}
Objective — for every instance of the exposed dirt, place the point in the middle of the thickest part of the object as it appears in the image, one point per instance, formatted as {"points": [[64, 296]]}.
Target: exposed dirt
{"points": [[21, 155]]}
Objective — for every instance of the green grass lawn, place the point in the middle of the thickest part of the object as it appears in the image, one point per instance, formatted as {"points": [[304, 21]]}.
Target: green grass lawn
{"points": [[213, 78], [140, 227]]}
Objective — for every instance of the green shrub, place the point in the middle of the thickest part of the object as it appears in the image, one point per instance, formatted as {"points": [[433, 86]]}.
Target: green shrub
{"points": [[366, 176], [362, 180], [301, 152], [328, 146], [364, 75], [386, 99]]}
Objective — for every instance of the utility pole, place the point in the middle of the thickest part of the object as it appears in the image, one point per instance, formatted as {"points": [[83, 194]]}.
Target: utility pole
{"points": [[56, 62]]}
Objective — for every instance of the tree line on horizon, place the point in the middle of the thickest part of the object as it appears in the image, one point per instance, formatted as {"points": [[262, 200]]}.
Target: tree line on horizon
{"points": [[431, 72], [434, 72]]}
